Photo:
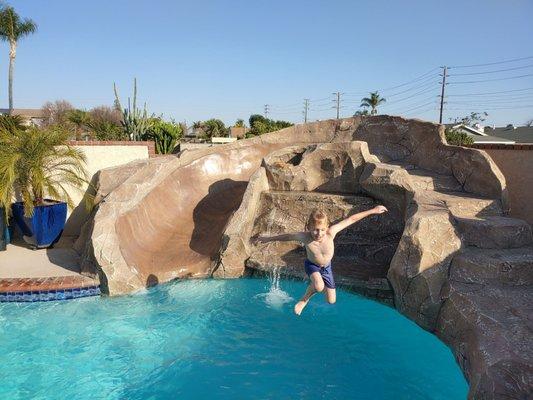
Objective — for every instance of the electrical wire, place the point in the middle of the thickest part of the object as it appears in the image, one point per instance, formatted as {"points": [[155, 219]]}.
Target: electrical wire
{"points": [[493, 63], [493, 72], [491, 80]]}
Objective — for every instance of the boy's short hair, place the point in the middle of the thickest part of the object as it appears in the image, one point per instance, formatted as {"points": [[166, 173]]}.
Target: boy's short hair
{"points": [[316, 217]]}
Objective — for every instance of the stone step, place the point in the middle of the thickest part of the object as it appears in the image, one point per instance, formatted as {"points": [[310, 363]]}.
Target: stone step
{"points": [[495, 232], [426, 180], [496, 267], [423, 179], [466, 205]]}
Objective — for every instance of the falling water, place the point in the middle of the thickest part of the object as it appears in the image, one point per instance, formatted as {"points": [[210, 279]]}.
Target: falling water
{"points": [[276, 297]]}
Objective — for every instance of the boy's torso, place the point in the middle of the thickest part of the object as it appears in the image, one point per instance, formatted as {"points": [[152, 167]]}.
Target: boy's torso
{"points": [[320, 253]]}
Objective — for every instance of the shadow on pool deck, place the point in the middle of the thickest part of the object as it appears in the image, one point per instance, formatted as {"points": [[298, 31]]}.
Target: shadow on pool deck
{"points": [[20, 261]]}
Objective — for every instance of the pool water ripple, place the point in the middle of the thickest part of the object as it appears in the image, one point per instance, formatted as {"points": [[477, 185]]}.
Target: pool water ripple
{"points": [[210, 339]]}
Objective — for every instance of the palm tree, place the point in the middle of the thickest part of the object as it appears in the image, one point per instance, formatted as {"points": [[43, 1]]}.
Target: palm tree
{"points": [[373, 102], [39, 162], [13, 28]]}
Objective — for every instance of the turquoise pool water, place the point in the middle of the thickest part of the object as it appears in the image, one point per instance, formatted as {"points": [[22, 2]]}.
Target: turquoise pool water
{"points": [[211, 339]]}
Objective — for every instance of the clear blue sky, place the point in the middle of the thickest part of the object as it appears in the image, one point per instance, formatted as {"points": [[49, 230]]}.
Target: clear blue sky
{"points": [[200, 59]]}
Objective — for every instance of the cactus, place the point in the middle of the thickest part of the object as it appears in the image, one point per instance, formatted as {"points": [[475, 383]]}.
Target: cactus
{"points": [[134, 120]]}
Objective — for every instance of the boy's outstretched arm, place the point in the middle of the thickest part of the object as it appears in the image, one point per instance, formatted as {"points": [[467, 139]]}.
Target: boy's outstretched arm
{"points": [[352, 219], [286, 237]]}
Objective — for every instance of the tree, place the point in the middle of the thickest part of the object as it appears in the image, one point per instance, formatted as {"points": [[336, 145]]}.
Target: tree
{"points": [[470, 120], [214, 128], [239, 123], [359, 113], [39, 162], [373, 102], [529, 123], [260, 125], [12, 29], [80, 120], [56, 113]]}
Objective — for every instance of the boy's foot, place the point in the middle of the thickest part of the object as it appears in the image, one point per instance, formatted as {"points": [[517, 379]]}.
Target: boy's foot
{"points": [[298, 308]]}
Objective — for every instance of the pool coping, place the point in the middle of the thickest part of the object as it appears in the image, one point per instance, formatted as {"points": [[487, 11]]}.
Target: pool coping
{"points": [[47, 288]]}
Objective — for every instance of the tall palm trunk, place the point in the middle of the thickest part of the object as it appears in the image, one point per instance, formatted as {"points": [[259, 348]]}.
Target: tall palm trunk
{"points": [[12, 55]]}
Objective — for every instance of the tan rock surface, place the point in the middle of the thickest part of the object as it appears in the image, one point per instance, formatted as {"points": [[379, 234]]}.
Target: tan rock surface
{"points": [[169, 217]]}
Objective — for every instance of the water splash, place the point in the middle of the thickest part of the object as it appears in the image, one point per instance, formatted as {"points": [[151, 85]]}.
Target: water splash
{"points": [[276, 297]]}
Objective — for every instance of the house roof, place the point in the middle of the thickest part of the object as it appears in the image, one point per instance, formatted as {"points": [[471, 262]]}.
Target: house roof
{"points": [[520, 134], [490, 139], [466, 128], [480, 136], [24, 112]]}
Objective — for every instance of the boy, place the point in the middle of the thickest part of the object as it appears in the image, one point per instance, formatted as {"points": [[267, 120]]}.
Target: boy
{"points": [[319, 246]]}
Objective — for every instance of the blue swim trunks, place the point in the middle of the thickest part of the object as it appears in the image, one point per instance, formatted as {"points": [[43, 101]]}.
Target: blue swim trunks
{"points": [[325, 272]]}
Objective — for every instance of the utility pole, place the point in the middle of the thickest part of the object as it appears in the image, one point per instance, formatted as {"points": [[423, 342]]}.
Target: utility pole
{"points": [[306, 109], [337, 102], [267, 109], [444, 69]]}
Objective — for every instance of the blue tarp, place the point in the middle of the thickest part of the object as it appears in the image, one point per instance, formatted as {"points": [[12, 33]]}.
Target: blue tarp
{"points": [[46, 224]]}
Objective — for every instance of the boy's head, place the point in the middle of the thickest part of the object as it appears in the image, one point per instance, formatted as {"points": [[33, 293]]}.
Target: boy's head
{"points": [[317, 224]]}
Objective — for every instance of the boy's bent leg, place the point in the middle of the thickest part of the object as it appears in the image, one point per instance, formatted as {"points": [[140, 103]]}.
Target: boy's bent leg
{"points": [[331, 295], [316, 282]]}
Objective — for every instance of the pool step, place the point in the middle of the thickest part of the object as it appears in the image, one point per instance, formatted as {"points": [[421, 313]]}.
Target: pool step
{"points": [[508, 267], [495, 232]]}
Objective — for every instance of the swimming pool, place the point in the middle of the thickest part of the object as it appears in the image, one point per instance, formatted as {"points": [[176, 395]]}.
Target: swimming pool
{"points": [[210, 339]]}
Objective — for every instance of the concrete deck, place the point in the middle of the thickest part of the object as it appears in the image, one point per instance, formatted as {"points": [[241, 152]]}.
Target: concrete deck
{"points": [[20, 261]]}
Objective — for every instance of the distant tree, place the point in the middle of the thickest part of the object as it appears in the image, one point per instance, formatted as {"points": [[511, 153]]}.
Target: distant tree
{"points": [[12, 29], [260, 125], [360, 113], [239, 123], [470, 120], [214, 128], [373, 102], [106, 124], [80, 120], [106, 113], [56, 113], [529, 123]]}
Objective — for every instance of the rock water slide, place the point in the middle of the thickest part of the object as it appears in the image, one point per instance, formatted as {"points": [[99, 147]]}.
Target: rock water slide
{"points": [[446, 255]]}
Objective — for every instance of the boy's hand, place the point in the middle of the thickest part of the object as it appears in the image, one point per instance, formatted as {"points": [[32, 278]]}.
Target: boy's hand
{"points": [[379, 210]]}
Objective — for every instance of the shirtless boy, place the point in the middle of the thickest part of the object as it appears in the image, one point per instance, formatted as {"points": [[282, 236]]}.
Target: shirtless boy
{"points": [[319, 246]]}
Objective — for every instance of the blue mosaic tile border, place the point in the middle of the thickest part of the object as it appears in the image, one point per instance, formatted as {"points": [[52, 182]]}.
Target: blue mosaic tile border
{"points": [[49, 295]]}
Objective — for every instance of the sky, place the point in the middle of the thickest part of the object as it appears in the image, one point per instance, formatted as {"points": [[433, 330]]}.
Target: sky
{"points": [[196, 60]]}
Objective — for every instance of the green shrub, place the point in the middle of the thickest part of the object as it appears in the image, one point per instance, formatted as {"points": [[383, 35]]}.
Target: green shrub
{"points": [[164, 134], [458, 138], [12, 123]]}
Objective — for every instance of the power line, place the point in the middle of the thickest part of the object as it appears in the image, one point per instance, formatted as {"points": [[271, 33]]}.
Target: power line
{"points": [[489, 109], [493, 63], [489, 93], [408, 106], [424, 86], [421, 77], [411, 96], [491, 80], [493, 72]]}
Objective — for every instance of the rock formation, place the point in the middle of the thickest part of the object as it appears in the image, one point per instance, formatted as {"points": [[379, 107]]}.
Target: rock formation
{"points": [[446, 253]]}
